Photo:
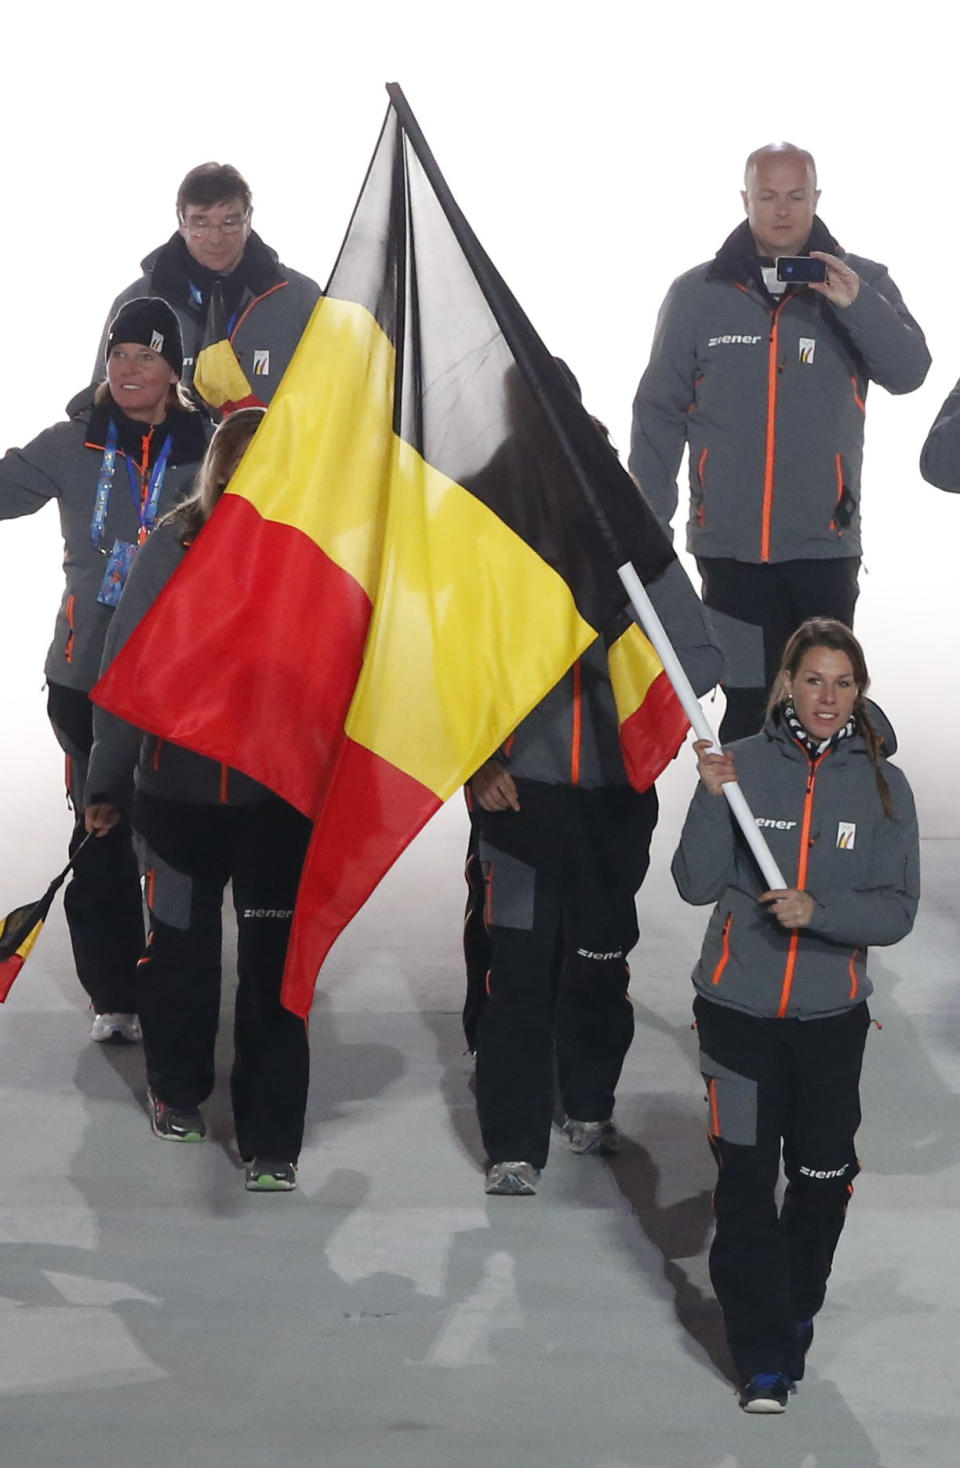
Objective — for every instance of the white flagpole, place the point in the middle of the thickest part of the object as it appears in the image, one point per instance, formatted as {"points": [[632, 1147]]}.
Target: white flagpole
{"points": [[653, 627]]}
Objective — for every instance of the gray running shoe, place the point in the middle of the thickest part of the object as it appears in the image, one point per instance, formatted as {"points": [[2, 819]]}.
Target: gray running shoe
{"points": [[116, 1029], [512, 1179], [593, 1136], [175, 1123], [270, 1175]]}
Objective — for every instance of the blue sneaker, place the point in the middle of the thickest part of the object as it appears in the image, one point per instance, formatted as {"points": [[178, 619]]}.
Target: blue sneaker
{"points": [[766, 1392]]}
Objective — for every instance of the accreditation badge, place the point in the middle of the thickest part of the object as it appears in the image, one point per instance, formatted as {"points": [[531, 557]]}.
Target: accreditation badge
{"points": [[119, 561]]}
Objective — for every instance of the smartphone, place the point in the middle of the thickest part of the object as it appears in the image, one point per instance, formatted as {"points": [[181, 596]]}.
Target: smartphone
{"points": [[800, 269]]}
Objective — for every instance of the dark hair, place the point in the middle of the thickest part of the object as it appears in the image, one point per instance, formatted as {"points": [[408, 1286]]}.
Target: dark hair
{"points": [[224, 451], [213, 183], [825, 632]]}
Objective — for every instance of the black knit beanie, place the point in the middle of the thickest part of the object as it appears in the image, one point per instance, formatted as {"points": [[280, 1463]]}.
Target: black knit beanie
{"points": [[154, 324]]}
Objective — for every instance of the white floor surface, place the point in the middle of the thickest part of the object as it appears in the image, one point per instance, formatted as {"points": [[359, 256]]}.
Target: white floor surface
{"points": [[153, 1314]]}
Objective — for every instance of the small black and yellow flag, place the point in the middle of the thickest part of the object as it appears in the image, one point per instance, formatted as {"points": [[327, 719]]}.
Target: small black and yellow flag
{"points": [[218, 376], [20, 929]]}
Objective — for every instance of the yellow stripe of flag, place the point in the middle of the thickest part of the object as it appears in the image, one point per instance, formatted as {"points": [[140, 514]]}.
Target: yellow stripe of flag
{"points": [[443, 572]]}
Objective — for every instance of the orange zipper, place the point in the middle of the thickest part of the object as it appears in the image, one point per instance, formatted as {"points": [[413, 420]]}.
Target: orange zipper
{"points": [[714, 1109], [854, 981], [857, 398], [71, 610], [280, 285], [772, 373], [701, 466], [836, 506], [724, 958], [802, 864]]}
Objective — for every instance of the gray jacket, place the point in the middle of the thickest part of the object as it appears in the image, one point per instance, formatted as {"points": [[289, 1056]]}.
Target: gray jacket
{"points": [[545, 747], [64, 463], [940, 457], [770, 399], [862, 870], [275, 307], [124, 757]]}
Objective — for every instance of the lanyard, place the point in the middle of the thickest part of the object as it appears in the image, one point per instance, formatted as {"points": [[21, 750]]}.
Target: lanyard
{"points": [[146, 492], [196, 295]]}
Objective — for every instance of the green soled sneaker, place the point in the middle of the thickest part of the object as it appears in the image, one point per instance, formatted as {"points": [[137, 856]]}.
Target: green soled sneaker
{"points": [[175, 1123], [270, 1175]]}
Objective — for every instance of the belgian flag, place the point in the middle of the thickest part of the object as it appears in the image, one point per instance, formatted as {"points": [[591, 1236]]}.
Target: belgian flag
{"points": [[421, 540], [217, 375]]}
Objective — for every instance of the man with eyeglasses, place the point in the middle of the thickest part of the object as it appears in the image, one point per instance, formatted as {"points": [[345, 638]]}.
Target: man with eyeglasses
{"points": [[241, 312]]}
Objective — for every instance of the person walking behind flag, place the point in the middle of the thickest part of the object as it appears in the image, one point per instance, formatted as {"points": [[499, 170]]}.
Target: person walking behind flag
{"points": [[125, 454], [241, 312], [201, 825], [561, 820]]}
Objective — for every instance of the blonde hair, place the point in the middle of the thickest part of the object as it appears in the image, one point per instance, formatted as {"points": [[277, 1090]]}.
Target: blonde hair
{"points": [[224, 452], [177, 397]]}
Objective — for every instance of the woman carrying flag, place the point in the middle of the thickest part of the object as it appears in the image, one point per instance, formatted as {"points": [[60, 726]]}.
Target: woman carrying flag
{"points": [[201, 825], [782, 987]]}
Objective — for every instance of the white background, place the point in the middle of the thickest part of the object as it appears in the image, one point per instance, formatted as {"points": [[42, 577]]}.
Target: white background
{"points": [[597, 149]]}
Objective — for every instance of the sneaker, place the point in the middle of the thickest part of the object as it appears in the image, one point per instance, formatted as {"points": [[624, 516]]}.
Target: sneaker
{"points": [[593, 1136], [175, 1123], [116, 1029], [270, 1175], [766, 1392], [512, 1179]]}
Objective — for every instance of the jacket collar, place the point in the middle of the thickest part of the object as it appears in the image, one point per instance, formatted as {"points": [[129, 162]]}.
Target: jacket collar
{"points": [[171, 269], [737, 260], [185, 428], [776, 730]]}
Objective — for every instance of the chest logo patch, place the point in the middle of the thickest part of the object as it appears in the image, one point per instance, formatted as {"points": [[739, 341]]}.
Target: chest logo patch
{"points": [[261, 362], [846, 835], [808, 345], [723, 341]]}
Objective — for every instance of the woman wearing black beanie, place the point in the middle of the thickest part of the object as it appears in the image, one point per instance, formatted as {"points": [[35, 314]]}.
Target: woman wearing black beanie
{"points": [[125, 454]]}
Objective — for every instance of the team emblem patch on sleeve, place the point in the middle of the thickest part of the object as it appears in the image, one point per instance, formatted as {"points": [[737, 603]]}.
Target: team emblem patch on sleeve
{"points": [[808, 345], [261, 362], [846, 835], [156, 342]]}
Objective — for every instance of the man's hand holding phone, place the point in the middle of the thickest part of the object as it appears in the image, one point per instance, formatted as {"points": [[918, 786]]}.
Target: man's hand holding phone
{"points": [[825, 274]]}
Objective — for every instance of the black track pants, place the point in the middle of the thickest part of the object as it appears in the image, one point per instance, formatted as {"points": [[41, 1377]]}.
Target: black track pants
{"points": [[189, 853], [560, 880], [102, 900], [756, 610], [778, 1087]]}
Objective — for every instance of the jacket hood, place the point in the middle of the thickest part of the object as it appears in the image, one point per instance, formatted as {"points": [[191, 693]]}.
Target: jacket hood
{"points": [[80, 405], [737, 258]]}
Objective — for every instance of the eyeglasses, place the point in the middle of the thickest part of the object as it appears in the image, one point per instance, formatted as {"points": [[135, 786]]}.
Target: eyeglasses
{"points": [[200, 229]]}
